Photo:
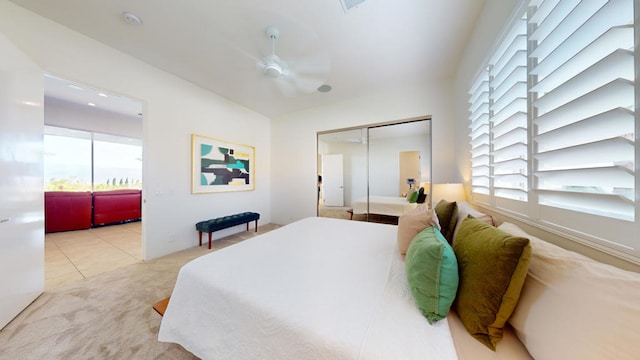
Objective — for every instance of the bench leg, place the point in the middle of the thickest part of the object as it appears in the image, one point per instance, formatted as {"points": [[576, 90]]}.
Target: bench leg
{"points": [[209, 241], [200, 238], [256, 225], [248, 225]]}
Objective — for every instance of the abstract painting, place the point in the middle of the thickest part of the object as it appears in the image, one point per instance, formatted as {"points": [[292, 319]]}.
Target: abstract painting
{"points": [[219, 165]]}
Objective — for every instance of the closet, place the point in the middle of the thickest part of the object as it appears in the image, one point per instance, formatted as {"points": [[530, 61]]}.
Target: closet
{"points": [[364, 170]]}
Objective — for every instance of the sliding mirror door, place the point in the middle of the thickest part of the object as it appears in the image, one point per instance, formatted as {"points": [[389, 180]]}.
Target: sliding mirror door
{"points": [[381, 165], [342, 171]]}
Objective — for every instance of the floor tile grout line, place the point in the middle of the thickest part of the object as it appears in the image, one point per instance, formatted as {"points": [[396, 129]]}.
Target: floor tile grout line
{"points": [[121, 249], [83, 236], [68, 259]]}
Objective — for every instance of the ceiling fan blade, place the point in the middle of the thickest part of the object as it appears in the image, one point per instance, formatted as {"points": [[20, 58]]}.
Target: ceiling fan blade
{"points": [[305, 84], [312, 64], [285, 86]]}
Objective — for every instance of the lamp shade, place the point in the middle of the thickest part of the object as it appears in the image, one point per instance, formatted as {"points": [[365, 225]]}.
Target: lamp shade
{"points": [[449, 192]]}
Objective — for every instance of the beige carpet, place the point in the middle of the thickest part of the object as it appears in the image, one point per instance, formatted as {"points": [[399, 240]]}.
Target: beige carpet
{"points": [[108, 316]]}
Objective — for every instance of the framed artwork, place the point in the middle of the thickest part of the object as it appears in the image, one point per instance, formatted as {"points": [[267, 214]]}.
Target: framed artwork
{"points": [[218, 165]]}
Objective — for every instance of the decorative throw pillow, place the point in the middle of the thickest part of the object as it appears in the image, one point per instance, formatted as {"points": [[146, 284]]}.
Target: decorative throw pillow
{"points": [[411, 223], [492, 266], [421, 196], [447, 213], [464, 209], [413, 197], [432, 273]]}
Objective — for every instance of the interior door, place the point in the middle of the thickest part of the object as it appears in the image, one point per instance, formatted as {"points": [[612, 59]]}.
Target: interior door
{"points": [[409, 169], [21, 181], [332, 180]]}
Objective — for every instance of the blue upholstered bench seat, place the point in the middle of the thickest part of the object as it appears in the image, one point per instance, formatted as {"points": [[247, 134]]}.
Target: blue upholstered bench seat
{"points": [[224, 222]]}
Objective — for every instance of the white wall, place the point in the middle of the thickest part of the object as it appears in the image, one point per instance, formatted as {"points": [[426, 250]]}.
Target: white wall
{"points": [[174, 109], [74, 116], [294, 139], [385, 162]]}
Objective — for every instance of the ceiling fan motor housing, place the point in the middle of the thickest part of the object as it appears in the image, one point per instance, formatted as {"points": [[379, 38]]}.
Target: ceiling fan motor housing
{"points": [[272, 70]]}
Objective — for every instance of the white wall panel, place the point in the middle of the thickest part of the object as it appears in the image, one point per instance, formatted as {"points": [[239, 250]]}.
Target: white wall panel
{"points": [[21, 182]]}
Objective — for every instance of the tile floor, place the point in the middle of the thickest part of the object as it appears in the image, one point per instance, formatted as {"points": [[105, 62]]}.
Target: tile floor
{"points": [[74, 255]]}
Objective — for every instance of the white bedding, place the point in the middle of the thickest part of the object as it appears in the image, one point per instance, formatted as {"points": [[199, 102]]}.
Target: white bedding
{"points": [[383, 205], [319, 288]]}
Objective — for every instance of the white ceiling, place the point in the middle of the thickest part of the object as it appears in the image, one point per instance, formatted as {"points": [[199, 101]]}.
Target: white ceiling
{"points": [[379, 45], [63, 91]]}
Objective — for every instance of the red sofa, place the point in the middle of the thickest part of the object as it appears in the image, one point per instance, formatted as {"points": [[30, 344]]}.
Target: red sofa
{"points": [[115, 206], [67, 210]]}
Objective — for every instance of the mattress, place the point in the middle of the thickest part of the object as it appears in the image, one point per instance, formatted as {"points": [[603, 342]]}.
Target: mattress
{"points": [[319, 288], [383, 205]]}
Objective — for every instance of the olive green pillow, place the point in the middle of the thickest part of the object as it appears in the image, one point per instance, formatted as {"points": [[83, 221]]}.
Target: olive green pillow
{"points": [[432, 273], [447, 213], [492, 265]]}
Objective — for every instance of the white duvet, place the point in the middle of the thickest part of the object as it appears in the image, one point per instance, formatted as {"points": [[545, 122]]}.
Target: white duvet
{"points": [[318, 288], [383, 205]]}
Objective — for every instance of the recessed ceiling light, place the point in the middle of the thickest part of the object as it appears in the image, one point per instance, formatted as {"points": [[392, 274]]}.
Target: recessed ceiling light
{"points": [[30, 103], [131, 19], [103, 95], [324, 88], [91, 104]]}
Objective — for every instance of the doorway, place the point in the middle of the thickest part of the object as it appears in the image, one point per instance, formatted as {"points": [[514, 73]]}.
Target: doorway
{"points": [[93, 145]]}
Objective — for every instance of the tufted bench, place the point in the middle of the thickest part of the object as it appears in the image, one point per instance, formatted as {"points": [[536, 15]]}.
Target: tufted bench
{"points": [[224, 222]]}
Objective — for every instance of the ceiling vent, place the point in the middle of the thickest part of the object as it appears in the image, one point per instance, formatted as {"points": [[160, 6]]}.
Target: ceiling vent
{"points": [[350, 4]]}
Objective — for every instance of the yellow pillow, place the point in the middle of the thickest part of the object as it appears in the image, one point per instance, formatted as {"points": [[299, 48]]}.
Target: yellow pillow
{"points": [[492, 267]]}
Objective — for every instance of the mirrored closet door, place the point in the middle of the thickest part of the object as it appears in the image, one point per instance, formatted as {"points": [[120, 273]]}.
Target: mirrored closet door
{"points": [[370, 173]]}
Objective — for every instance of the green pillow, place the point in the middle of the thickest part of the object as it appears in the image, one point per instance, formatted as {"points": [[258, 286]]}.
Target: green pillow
{"points": [[413, 197], [447, 213], [492, 265], [432, 273]]}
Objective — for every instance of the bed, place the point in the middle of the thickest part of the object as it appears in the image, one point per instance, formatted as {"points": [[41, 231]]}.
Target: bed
{"points": [[318, 288], [383, 205]]}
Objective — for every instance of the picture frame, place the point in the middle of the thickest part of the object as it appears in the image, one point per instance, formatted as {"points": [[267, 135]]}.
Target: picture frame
{"points": [[221, 166]]}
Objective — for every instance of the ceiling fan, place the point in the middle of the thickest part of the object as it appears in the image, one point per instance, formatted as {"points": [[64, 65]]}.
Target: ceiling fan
{"points": [[292, 76], [362, 139]]}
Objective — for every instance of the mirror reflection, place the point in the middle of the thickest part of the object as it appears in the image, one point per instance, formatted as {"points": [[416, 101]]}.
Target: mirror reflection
{"points": [[374, 173]]}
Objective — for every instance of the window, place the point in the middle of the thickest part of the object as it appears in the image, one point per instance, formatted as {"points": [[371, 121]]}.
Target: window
{"points": [[67, 159], [84, 161], [562, 121], [117, 162]]}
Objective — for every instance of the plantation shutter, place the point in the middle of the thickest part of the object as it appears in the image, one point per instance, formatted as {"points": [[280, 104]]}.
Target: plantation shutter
{"points": [[583, 115], [508, 96], [553, 122], [480, 138]]}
